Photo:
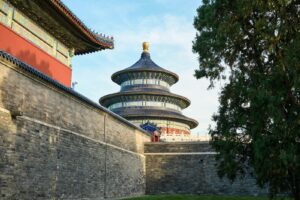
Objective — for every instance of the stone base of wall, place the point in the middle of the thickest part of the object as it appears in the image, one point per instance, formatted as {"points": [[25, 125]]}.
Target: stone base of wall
{"points": [[189, 168]]}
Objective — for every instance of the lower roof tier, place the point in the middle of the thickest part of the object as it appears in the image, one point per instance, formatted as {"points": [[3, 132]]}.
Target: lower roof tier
{"points": [[155, 95], [144, 113]]}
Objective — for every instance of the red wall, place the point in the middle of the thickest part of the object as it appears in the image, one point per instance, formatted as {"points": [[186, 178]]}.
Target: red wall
{"points": [[29, 53], [170, 131]]}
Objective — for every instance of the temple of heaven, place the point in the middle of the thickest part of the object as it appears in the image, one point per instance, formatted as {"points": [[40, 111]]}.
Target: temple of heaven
{"points": [[145, 97]]}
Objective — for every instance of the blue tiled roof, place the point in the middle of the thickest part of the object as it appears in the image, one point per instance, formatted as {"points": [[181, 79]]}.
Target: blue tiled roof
{"points": [[144, 64], [106, 100]]}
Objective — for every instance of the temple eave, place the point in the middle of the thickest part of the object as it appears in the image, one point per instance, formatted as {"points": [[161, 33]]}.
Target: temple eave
{"points": [[156, 114], [57, 19], [108, 99], [192, 123]]}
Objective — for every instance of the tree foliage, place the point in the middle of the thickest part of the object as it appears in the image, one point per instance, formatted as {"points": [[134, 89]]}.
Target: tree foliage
{"points": [[255, 46]]}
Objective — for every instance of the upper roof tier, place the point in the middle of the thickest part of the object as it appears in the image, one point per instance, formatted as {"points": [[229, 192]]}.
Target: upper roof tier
{"points": [[144, 64], [59, 21]]}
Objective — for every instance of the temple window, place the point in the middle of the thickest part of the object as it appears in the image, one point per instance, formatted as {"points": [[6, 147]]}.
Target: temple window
{"points": [[144, 104], [145, 81]]}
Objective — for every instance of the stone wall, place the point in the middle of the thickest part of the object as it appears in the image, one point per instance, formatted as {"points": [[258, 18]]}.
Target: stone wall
{"points": [[56, 144], [190, 168]]}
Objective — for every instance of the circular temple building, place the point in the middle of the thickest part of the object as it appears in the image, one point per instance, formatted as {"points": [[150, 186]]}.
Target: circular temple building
{"points": [[145, 97]]}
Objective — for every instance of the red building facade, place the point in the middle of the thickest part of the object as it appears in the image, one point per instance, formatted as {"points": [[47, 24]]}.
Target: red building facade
{"points": [[46, 34]]}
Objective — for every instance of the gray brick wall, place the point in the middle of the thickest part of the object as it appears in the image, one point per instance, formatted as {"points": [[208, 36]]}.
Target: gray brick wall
{"points": [[62, 147], [189, 168], [128, 170]]}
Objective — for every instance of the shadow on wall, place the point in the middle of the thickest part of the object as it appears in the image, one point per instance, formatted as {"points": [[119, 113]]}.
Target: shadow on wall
{"points": [[26, 151], [30, 58]]}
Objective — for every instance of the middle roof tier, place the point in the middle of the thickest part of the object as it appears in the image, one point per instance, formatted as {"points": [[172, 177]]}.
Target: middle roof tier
{"points": [[145, 94]]}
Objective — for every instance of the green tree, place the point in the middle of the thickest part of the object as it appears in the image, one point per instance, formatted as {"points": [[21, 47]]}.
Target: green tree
{"points": [[255, 46]]}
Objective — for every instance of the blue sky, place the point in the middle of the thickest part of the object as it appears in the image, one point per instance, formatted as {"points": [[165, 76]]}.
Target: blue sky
{"points": [[167, 25]]}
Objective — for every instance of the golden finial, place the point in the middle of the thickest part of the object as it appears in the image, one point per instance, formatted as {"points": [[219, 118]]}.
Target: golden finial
{"points": [[145, 46]]}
